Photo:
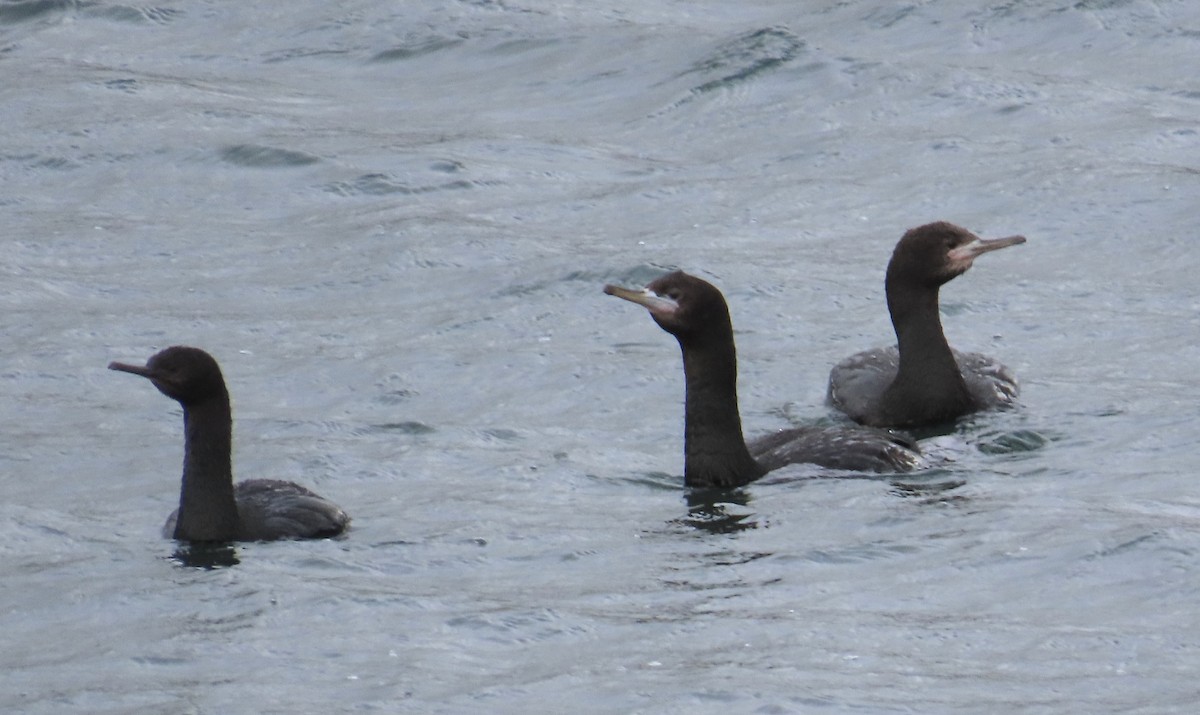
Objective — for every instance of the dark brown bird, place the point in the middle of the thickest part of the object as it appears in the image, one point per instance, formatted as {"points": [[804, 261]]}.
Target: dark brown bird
{"points": [[922, 381], [211, 508], [715, 450]]}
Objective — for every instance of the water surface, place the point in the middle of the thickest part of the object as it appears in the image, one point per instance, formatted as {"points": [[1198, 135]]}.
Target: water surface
{"points": [[391, 224]]}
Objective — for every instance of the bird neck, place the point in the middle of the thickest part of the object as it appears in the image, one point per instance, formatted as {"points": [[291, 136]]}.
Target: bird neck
{"points": [[207, 508], [715, 453], [928, 381]]}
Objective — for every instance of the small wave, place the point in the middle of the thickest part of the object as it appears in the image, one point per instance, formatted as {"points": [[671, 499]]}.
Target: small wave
{"points": [[410, 427], [747, 57], [416, 49], [126, 13], [383, 185], [15, 12], [123, 85], [254, 155], [1013, 442]]}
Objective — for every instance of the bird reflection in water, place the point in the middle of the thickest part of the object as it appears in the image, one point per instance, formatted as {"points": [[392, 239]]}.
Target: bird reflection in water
{"points": [[207, 555], [717, 511]]}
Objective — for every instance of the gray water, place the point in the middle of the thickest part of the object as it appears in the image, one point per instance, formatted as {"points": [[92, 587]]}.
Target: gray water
{"points": [[391, 223]]}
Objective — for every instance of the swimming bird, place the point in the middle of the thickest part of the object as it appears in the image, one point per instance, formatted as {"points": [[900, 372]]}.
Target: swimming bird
{"points": [[715, 451], [922, 381], [211, 508]]}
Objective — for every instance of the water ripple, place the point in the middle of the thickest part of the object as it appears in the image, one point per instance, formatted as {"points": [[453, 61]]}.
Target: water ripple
{"points": [[258, 156]]}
